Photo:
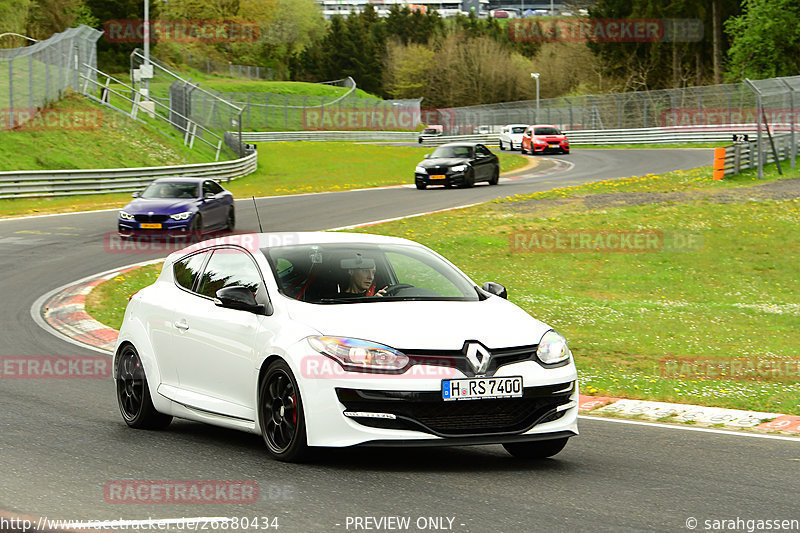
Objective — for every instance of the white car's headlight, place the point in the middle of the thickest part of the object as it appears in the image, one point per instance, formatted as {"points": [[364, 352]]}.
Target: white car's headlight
{"points": [[359, 355], [553, 348], [420, 170], [459, 168], [124, 215], [181, 216]]}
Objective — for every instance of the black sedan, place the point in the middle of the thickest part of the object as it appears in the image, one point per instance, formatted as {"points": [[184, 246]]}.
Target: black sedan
{"points": [[460, 164]]}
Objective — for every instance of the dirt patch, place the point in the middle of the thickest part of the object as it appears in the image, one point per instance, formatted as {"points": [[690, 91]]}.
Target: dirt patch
{"points": [[774, 190]]}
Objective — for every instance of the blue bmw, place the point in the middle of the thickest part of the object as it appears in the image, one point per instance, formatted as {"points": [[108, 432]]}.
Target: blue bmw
{"points": [[182, 206]]}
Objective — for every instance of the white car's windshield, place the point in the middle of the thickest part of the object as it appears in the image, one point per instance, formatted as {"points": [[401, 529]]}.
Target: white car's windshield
{"points": [[349, 273], [171, 190], [518, 129]]}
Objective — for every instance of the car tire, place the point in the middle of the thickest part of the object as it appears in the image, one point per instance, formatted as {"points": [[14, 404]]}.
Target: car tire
{"points": [[495, 179], [502, 146], [469, 179], [231, 223], [565, 152], [522, 149], [133, 393], [536, 450], [280, 414], [421, 185], [196, 227], [511, 146]]}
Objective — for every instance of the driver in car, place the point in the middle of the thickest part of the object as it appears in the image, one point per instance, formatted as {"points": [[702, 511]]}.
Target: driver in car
{"points": [[360, 278]]}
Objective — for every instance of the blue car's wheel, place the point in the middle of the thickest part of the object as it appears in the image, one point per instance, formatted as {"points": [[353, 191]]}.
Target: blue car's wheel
{"points": [[196, 228]]}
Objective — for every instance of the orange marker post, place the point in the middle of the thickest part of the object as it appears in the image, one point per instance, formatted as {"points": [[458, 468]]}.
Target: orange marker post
{"points": [[719, 163]]}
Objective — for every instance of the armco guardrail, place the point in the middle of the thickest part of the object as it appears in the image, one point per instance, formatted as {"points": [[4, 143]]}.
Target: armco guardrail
{"points": [[31, 183], [742, 156], [674, 134], [363, 136]]}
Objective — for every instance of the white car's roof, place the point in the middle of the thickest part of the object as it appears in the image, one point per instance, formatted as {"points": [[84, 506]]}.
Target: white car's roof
{"points": [[253, 241], [516, 125]]}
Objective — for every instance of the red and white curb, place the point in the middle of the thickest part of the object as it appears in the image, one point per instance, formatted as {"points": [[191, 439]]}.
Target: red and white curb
{"points": [[690, 414], [63, 312]]}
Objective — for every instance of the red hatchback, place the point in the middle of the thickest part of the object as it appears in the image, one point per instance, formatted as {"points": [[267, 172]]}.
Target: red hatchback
{"points": [[543, 138]]}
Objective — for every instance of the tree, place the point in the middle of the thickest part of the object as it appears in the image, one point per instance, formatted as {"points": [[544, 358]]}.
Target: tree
{"points": [[47, 17], [296, 24], [13, 18], [407, 70], [765, 40]]}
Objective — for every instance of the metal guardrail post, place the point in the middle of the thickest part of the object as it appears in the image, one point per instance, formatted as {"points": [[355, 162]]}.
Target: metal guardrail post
{"points": [[11, 92], [759, 111], [792, 144]]}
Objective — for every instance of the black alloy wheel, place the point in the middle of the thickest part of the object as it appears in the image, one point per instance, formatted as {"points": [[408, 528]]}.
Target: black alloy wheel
{"points": [[281, 414], [133, 393]]}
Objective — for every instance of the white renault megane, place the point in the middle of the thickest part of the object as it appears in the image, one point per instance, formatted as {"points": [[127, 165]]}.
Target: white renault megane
{"points": [[336, 339]]}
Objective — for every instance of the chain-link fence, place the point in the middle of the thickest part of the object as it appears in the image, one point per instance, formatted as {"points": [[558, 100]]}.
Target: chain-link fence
{"points": [[33, 76], [703, 107], [248, 72], [172, 95], [345, 111]]}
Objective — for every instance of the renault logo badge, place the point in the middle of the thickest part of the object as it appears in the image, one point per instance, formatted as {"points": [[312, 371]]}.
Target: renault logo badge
{"points": [[478, 357]]}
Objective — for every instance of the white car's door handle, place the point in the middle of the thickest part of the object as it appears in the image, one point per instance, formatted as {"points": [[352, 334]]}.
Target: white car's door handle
{"points": [[182, 324]]}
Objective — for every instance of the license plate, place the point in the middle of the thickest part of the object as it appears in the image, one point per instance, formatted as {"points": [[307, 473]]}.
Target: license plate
{"points": [[150, 225], [554, 146], [437, 176], [481, 388]]}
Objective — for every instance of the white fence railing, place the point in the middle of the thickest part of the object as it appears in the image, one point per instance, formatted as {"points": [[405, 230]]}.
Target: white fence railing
{"points": [[743, 156], [672, 135], [362, 136], [30, 183]]}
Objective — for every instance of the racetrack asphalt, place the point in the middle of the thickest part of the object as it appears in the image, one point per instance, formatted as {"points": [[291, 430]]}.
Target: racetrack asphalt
{"points": [[63, 441]]}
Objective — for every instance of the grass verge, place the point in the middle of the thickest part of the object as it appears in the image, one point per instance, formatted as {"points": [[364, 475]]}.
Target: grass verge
{"points": [[283, 168], [105, 140], [106, 303]]}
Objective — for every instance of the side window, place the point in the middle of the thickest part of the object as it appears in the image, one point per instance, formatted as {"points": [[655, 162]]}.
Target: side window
{"points": [[211, 187], [228, 267], [187, 270], [482, 150]]}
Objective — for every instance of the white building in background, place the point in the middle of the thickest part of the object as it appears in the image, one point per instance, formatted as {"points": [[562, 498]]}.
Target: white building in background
{"points": [[446, 8]]}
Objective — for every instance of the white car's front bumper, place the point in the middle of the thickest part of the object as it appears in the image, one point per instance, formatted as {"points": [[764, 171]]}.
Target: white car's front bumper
{"points": [[548, 408]]}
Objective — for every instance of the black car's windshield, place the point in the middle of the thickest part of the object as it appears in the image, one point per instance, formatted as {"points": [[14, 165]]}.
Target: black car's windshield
{"points": [[546, 131], [518, 129], [171, 190], [351, 273], [452, 151]]}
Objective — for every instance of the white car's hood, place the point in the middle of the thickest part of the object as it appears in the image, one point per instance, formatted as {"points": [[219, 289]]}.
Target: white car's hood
{"points": [[495, 322]]}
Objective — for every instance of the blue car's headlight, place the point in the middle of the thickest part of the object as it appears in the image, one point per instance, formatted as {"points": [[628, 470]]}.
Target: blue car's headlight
{"points": [[124, 215], [459, 168], [359, 355], [186, 215], [553, 348]]}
